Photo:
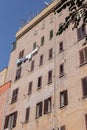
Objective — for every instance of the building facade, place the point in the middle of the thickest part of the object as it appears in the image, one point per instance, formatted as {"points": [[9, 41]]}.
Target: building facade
{"points": [[48, 71], [3, 74], [4, 95]]}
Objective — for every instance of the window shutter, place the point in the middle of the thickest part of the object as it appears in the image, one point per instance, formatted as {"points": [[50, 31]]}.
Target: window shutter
{"points": [[30, 88], [84, 85], [39, 82], [27, 114], [6, 122], [86, 121], [50, 76], [65, 98], [15, 118], [82, 59], [83, 30], [40, 109], [21, 54], [85, 50], [14, 96], [79, 33], [41, 60], [45, 106]]}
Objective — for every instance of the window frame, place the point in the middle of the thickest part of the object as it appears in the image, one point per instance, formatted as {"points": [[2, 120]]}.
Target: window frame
{"points": [[47, 105], [51, 34], [18, 73], [63, 98], [50, 53], [80, 33], [50, 76], [39, 108], [30, 87], [84, 87], [61, 70], [39, 84], [27, 114], [14, 95], [9, 122]]}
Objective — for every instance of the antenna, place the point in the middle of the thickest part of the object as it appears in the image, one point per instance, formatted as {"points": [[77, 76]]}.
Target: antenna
{"points": [[46, 3]]}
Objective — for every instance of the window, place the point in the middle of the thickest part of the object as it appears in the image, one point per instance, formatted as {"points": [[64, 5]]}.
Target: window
{"points": [[21, 54], [39, 82], [50, 76], [39, 109], [63, 98], [84, 86], [81, 32], [14, 95], [83, 56], [61, 46], [86, 120], [34, 45], [18, 73], [27, 114], [32, 65], [63, 127], [30, 87], [50, 53], [47, 105], [61, 71], [42, 41], [41, 60], [10, 120], [51, 34]]}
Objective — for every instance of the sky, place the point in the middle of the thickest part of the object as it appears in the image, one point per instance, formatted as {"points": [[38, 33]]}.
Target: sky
{"points": [[13, 13]]}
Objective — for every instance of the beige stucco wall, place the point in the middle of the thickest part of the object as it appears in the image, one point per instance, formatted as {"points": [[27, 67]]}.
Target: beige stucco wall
{"points": [[73, 115], [3, 75]]}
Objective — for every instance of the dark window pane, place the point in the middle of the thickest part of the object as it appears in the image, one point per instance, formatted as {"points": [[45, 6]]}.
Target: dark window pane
{"points": [[61, 70], [18, 73], [86, 121], [62, 127], [51, 34], [39, 109], [63, 98], [30, 88], [47, 105], [41, 60], [50, 76], [42, 41], [61, 46], [34, 45], [50, 53], [21, 54], [15, 95], [32, 65], [27, 114], [39, 82], [84, 86]]}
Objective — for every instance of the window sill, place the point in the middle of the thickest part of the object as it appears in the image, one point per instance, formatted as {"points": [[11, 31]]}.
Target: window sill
{"points": [[82, 64], [50, 58], [61, 75], [81, 38], [26, 121], [63, 107], [84, 97], [61, 51], [38, 88], [49, 82], [37, 117], [13, 102], [29, 93], [47, 112]]}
